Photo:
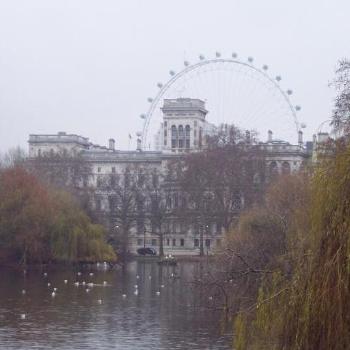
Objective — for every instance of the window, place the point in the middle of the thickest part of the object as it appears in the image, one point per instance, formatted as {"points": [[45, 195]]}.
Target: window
{"points": [[207, 243], [139, 241], [39, 152], [98, 169], [187, 136], [173, 136], [113, 169], [285, 168], [167, 241], [196, 242], [181, 131], [165, 124], [218, 242], [176, 200], [181, 143], [98, 204], [174, 242], [273, 169], [154, 242], [182, 242]]}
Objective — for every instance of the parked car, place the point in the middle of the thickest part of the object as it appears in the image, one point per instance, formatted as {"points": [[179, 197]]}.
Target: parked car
{"points": [[146, 251]]}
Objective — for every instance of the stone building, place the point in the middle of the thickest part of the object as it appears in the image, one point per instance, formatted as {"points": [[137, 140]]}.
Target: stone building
{"points": [[184, 129]]}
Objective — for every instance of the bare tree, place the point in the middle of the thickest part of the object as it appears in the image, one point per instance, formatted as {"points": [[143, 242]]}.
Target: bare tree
{"points": [[158, 210], [341, 113], [123, 200], [220, 181]]}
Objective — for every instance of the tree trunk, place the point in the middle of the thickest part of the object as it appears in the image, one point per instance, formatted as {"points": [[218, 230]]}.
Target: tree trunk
{"points": [[161, 244], [201, 239]]}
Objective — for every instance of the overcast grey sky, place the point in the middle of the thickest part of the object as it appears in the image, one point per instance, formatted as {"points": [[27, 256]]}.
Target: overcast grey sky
{"points": [[88, 66]]}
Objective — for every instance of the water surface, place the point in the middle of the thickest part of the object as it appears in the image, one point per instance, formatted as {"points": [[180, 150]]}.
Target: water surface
{"points": [[107, 317]]}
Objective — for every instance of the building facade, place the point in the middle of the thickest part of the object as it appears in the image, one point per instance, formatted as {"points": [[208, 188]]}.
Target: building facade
{"points": [[183, 130]]}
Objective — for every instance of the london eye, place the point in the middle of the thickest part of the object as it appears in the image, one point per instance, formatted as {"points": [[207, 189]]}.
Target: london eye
{"points": [[235, 92]]}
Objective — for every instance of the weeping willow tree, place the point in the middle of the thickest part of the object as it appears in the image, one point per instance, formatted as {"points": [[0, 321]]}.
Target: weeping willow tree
{"points": [[39, 224], [73, 237], [310, 308]]}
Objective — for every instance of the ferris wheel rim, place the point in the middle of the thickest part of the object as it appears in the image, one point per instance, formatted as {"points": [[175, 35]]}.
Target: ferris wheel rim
{"points": [[203, 62]]}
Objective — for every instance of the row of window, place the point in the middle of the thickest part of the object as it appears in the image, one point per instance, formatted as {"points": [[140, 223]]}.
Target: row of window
{"points": [[178, 242]]}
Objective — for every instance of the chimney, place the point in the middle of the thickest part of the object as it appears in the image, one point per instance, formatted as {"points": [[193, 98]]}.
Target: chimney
{"points": [[300, 138], [138, 144], [269, 136], [111, 143]]}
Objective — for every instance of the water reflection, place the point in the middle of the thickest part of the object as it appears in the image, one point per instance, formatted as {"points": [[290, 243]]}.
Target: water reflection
{"points": [[167, 317]]}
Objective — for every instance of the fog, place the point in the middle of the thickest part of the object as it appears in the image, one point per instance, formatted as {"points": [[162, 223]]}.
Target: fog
{"points": [[88, 67]]}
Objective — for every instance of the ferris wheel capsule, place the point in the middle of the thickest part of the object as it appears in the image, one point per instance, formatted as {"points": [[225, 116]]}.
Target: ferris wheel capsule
{"points": [[150, 99], [160, 85], [234, 55], [143, 116], [217, 54], [201, 57], [171, 72], [297, 108], [250, 59], [265, 67], [278, 78], [186, 63], [289, 92]]}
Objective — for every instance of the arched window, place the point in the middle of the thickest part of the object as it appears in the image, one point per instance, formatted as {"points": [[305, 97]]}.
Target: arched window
{"points": [[181, 137], [39, 152], [173, 136], [273, 170], [285, 168], [187, 136]]}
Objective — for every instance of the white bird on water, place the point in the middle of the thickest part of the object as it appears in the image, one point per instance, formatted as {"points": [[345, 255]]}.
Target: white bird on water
{"points": [[49, 284], [137, 277], [79, 273], [45, 274], [87, 290], [76, 284], [53, 294], [65, 281], [104, 283], [23, 316], [55, 289], [99, 301], [91, 274], [136, 292], [124, 295], [23, 291], [158, 293]]}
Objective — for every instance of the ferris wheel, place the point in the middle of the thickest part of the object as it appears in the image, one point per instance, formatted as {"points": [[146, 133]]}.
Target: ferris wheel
{"points": [[235, 92]]}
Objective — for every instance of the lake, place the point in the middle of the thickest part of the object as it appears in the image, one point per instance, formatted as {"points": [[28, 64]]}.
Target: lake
{"points": [[164, 313]]}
